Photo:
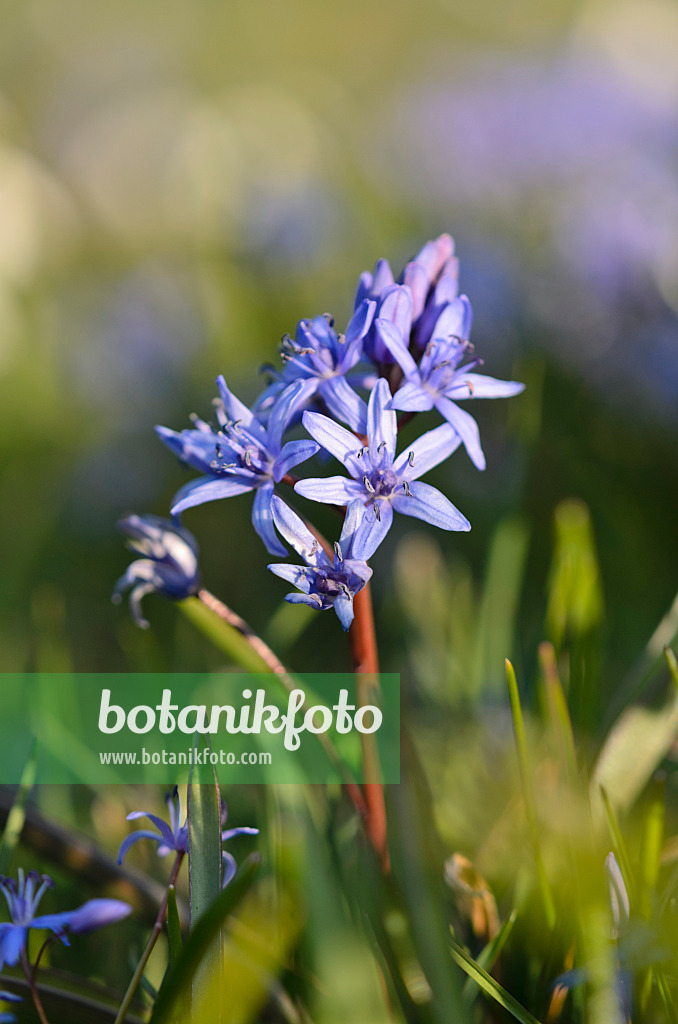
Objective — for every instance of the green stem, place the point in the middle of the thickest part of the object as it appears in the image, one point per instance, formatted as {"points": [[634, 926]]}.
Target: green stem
{"points": [[150, 945]]}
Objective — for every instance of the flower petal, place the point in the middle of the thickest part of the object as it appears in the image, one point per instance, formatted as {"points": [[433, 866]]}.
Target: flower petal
{"points": [[412, 397], [12, 941], [372, 530], [382, 426], [427, 503], [344, 403], [466, 427], [243, 830], [292, 454], [336, 440], [262, 519], [455, 320], [361, 321], [343, 606], [207, 488], [229, 868], [296, 533], [311, 601], [478, 385], [160, 824], [237, 412], [294, 574], [294, 398], [426, 452], [331, 490], [134, 838], [396, 344]]}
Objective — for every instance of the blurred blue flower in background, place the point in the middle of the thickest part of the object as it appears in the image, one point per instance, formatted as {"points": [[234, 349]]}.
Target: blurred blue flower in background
{"points": [[172, 836], [169, 565], [326, 583], [23, 897], [8, 997], [241, 455]]}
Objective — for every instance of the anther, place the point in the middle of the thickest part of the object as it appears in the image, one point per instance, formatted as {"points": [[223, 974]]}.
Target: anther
{"points": [[337, 551], [368, 485], [381, 445], [406, 488], [377, 511], [410, 459]]}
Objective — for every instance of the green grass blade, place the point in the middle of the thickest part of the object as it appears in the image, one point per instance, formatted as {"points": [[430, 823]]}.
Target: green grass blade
{"points": [[528, 796], [176, 945], [490, 954], [17, 814], [222, 635], [652, 840], [489, 986], [673, 665], [200, 940], [558, 712]]}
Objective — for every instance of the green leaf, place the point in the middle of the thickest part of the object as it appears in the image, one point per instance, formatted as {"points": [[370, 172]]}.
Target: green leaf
{"points": [[528, 796], [175, 941], [204, 840], [17, 814], [489, 986], [490, 954], [200, 940], [222, 635]]}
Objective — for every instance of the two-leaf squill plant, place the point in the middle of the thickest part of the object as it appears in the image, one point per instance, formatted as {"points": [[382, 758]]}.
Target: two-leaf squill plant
{"points": [[347, 396]]}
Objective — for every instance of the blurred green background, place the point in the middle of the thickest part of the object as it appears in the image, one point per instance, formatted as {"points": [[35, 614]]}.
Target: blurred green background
{"points": [[180, 183]]}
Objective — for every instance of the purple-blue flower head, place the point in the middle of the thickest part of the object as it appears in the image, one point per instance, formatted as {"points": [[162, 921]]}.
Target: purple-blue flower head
{"points": [[326, 583], [169, 565], [378, 478], [426, 285], [23, 897], [443, 378], [318, 359], [169, 837], [240, 455]]}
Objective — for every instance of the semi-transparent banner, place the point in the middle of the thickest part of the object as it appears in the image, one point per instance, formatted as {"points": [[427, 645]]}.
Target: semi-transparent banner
{"points": [[107, 728]]}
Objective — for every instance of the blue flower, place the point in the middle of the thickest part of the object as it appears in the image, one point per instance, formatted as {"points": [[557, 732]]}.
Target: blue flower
{"points": [[169, 566], [427, 283], [241, 455], [23, 897], [326, 583], [382, 481], [319, 359], [174, 836], [169, 837], [442, 378]]}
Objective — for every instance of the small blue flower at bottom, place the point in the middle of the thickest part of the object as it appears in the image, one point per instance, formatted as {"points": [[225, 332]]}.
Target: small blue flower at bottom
{"points": [[8, 997], [23, 897], [326, 583], [174, 836], [169, 565]]}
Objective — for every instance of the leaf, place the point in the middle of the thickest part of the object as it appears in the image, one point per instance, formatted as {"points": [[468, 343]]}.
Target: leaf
{"points": [[222, 635], [491, 987], [528, 796], [17, 814], [175, 941], [204, 856], [490, 954], [200, 940]]}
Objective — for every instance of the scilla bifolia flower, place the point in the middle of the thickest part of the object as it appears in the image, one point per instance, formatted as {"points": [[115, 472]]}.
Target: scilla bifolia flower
{"points": [[326, 583], [23, 897], [382, 481], [241, 455], [169, 565]]}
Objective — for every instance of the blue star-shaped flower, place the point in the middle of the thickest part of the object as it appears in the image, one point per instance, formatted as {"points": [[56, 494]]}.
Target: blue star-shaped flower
{"points": [[23, 897], [442, 378], [242, 455], [378, 478], [319, 359], [326, 583], [169, 565]]}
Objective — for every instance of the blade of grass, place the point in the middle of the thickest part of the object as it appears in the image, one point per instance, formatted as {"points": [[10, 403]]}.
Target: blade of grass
{"points": [[490, 954], [489, 986], [528, 796], [558, 712], [174, 939]]}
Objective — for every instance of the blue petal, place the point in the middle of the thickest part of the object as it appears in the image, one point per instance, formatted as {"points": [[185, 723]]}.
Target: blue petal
{"points": [[396, 309], [12, 941], [396, 344], [411, 397], [361, 321], [343, 606], [382, 426], [134, 838], [383, 277], [293, 399], [293, 454], [229, 868], [262, 519], [416, 277], [10, 997], [426, 452], [331, 490], [296, 533], [311, 601], [435, 254], [355, 512], [427, 503], [372, 530], [466, 427], [206, 488], [294, 574], [344, 403], [336, 440], [93, 914], [196, 447], [237, 412], [162, 826], [243, 830], [477, 385]]}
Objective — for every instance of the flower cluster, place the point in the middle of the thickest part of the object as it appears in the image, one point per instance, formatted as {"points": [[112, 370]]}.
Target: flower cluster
{"points": [[406, 349]]}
